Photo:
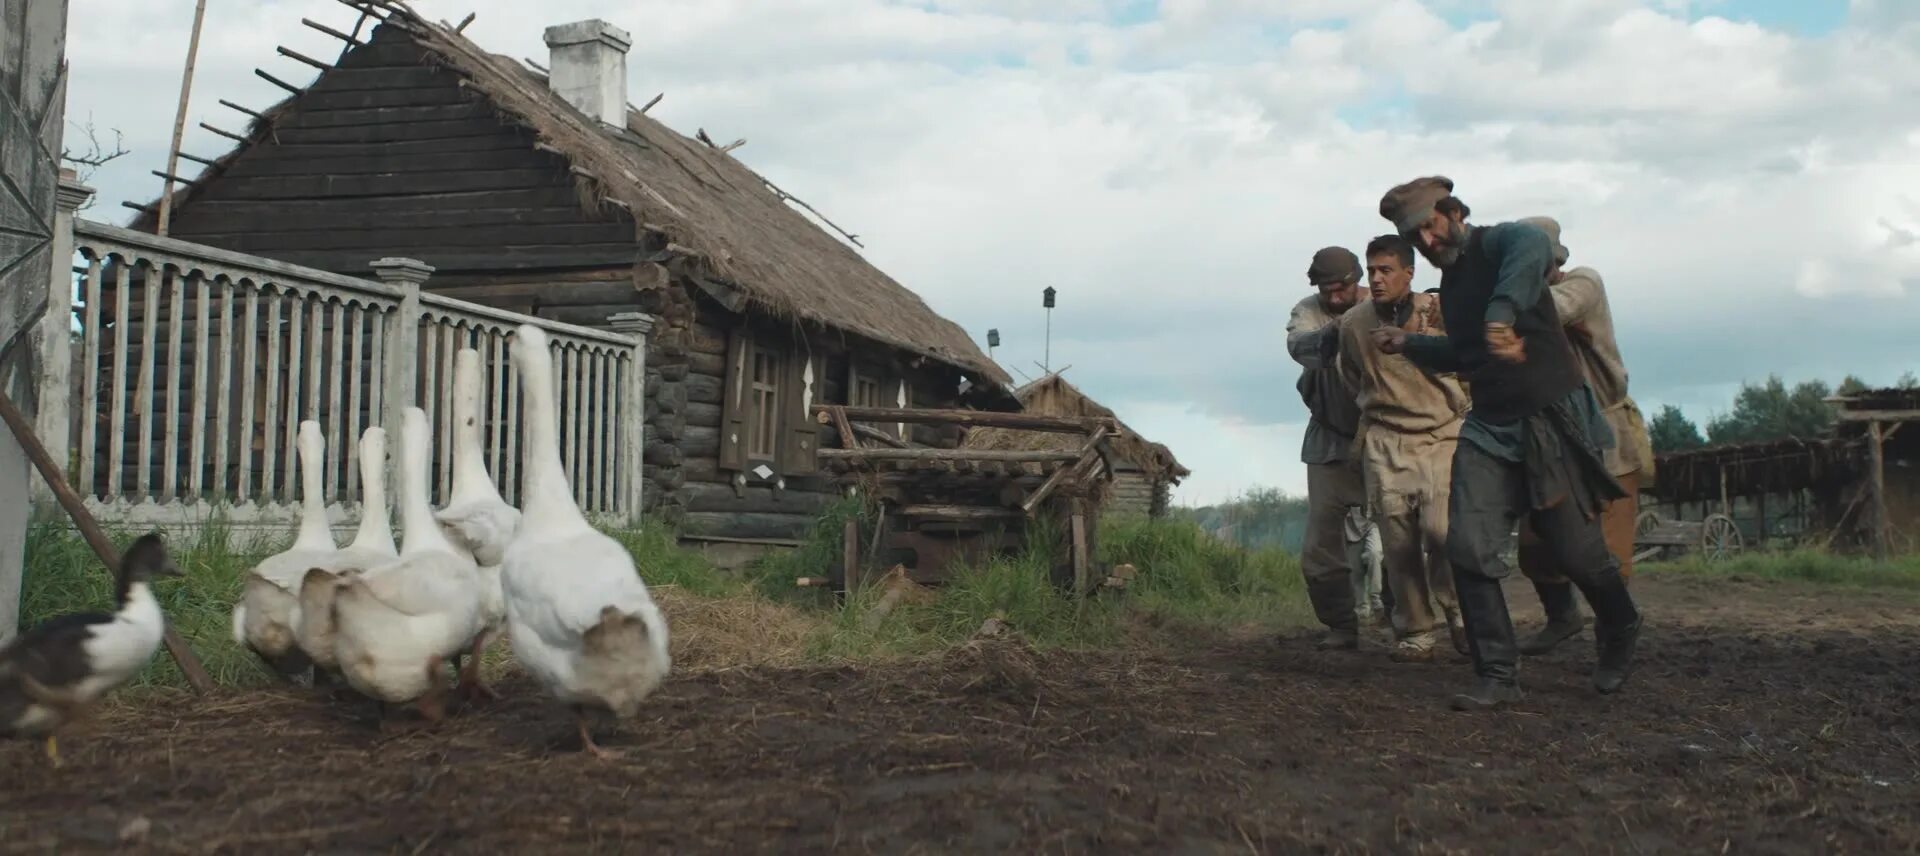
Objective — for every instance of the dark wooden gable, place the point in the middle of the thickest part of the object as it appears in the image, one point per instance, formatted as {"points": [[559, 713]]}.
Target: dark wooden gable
{"points": [[387, 155]]}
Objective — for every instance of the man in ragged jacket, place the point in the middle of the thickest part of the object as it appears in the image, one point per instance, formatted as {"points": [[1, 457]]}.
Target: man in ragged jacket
{"points": [[1533, 444], [1333, 470]]}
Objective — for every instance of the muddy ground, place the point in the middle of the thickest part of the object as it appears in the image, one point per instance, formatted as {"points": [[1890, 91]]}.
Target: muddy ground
{"points": [[1766, 719]]}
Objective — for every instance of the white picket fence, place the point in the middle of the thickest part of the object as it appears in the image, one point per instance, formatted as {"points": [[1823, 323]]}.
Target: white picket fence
{"points": [[197, 365]]}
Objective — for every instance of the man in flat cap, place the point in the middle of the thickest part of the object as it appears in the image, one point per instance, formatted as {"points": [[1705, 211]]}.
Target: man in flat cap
{"points": [[1409, 425], [1333, 471], [1580, 299], [1533, 445]]}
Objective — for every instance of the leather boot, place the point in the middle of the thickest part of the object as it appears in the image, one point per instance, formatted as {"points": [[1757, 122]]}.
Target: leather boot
{"points": [[1616, 633], [1564, 620], [1333, 605], [1483, 609]]}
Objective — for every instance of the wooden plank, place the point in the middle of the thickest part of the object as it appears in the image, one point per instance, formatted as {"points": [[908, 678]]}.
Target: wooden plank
{"points": [[244, 478], [1082, 563], [721, 497], [348, 79], [1018, 456], [972, 419], [393, 133], [364, 99], [959, 512], [484, 207], [1879, 415], [383, 184], [1087, 451], [338, 370], [265, 162], [1877, 488], [149, 354], [323, 238], [845, 428], [202, 306], [354, 262], [850, 555], [550, 293], [91, 370], [307, 118]]}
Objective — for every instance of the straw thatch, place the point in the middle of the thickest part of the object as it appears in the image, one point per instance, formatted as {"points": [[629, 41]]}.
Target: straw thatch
{"points": [[706, 202], [1052, 395]]}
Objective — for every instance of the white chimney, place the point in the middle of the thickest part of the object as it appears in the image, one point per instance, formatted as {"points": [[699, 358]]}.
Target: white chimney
{"points": [[587, 66]]}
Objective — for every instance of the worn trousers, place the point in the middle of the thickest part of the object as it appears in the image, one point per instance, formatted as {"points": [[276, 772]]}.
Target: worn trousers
{"points": [[1408, 480], [1616, 523], [1365, 556], [1324, 558], [1489, 496]]}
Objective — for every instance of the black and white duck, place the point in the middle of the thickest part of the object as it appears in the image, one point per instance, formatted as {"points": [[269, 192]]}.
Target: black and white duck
{"points": [[53, 673]]}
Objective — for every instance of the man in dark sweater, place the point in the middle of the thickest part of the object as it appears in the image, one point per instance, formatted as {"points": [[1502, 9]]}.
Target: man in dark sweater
{"points": [[1532, 444]]}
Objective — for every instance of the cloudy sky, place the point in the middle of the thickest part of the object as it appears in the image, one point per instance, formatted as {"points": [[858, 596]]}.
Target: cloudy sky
{"points": [[1746, 173]]}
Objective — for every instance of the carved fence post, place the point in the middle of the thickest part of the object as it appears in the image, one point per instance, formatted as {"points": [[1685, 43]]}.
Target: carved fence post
{"points": [[54, 338], [633, 391], [401, 358]]}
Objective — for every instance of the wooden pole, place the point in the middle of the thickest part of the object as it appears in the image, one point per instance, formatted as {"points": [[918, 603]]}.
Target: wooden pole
{"points": [[180, 119], [90, 530], [1877, 488], [850, 556], [1081, 561]]}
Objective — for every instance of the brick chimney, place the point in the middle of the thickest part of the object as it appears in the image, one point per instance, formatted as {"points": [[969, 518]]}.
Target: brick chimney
{"points": [[587, 66]]}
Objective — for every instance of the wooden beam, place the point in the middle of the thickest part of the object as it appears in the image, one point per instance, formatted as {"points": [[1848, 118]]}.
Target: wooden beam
{"points": [[850, 556], [196, 159], [462, 26], [534, 65], [1879, 415], [295, 90], [1082, 563], [959, 512], [878, 436], [300, 57], [224, 133], [847, 440], [945, 455], [975, 419], [95, 536], [254, 113], [649, 105], [1877, 488], [144, 209], [334, 33], [174, 178], [1060, 476]]}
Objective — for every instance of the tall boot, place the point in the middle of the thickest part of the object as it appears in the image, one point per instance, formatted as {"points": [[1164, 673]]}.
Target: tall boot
{"points": [[1333, 605], [1616, 631], [1483, 608], [1564, 620]]}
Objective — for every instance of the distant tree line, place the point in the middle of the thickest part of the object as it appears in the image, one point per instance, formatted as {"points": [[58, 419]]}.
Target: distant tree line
{"points": [[1770, 410], [1263, 517]]}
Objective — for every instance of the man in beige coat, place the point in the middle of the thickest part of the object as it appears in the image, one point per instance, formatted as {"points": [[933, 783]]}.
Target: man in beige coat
{"points": [[1580, 298], [1333, 471], [1409, 425]]}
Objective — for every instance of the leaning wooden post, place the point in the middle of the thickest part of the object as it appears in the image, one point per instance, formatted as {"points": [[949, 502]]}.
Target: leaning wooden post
{"points": [[401, 357], [1877, 488], [633, 412], [850, 556], [95, 536], [55, 386]]}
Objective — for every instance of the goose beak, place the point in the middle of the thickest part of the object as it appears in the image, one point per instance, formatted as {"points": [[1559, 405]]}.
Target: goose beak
{"points": [[168, 569]]}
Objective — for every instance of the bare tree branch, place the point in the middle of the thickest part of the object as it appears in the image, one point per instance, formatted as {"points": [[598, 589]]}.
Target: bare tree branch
{"points": [[94, 155]]}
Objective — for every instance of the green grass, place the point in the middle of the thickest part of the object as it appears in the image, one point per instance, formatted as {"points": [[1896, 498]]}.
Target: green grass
{"points": [[1185, 581], [1807, 566]]}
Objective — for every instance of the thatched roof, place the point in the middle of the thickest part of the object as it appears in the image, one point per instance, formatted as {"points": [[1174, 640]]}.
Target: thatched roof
{"points": [[708, 204], [1052, 395]]}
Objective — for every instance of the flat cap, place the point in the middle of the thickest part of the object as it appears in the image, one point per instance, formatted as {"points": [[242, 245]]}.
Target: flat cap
{"points": [[1410, 204], [1552, 228], [1333, 264]]}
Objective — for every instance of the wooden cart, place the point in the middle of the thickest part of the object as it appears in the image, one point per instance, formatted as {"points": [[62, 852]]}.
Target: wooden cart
{"points": [[1716, 538]]}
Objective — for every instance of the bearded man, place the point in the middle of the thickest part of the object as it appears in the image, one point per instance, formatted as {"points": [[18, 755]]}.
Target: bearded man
{"points": [[1533, 445]]}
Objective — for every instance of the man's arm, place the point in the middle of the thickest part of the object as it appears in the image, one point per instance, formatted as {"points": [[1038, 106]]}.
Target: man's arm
{"points": [[1352, 351], [1432, 354], [1525, 253], [1310, 343]]}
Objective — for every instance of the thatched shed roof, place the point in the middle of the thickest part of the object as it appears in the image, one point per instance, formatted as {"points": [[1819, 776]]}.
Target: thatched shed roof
{"points": [[707, 203], [1052, 395], [1749, 469]]}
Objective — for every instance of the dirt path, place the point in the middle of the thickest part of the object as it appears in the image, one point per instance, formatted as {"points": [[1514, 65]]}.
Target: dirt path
{"points": [[1766, 719]]}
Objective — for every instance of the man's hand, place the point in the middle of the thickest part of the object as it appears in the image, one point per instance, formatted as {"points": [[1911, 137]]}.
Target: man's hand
{"points": [[1504, 345], [1390, 340]]}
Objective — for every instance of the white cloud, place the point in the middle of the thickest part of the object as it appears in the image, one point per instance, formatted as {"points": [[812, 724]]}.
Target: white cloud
{"points": [[1171, 177]]}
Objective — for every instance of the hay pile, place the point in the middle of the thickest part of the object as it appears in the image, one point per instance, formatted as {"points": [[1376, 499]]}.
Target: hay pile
{"points": [[708, 634]]}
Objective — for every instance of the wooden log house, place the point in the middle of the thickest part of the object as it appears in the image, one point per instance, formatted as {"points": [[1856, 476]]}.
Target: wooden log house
{"points": [[546, 192]]}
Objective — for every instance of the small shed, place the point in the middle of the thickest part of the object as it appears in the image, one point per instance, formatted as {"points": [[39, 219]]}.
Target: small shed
{"points": [[1144, 471]]}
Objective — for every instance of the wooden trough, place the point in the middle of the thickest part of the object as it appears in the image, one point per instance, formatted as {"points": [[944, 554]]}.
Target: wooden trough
{"points": [[939, 507]]}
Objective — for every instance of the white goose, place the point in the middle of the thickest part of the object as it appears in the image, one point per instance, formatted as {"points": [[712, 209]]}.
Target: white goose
{"points": [[269, 609], [476, 517], [578, 617], [396, 624], [372, 547]]}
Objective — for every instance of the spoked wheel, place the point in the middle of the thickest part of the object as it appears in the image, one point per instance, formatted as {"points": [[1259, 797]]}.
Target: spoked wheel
{"points": [[1644, 525], [1719, 538]]}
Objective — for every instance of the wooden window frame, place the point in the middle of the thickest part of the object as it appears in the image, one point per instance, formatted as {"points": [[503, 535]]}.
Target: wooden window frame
{"points": [[763, 404]]}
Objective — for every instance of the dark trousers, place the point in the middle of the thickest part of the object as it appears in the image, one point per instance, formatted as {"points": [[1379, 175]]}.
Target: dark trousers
{"points": [[1488, 497]]}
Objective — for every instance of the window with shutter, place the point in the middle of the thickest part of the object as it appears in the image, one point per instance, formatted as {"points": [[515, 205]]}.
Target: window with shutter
{"points": [[763, 431]]}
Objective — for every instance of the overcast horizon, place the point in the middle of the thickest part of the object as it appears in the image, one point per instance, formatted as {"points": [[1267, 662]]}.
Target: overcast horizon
{"points": [[1735, 169]]}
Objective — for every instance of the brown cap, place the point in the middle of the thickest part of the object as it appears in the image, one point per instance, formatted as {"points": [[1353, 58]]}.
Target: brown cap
{"points": [[1552, 228], [1333, 264], [1410, 204]]}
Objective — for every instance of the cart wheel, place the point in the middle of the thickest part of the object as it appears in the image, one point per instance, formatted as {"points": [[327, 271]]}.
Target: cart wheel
{"points": [[1645, 523], [1719, 538]]}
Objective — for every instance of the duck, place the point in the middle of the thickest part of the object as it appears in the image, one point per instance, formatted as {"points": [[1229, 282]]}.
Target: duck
{"points": [[54, 673], [396, 624], [269, 609], [476, 518], [579, 619], [372, 546]]}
